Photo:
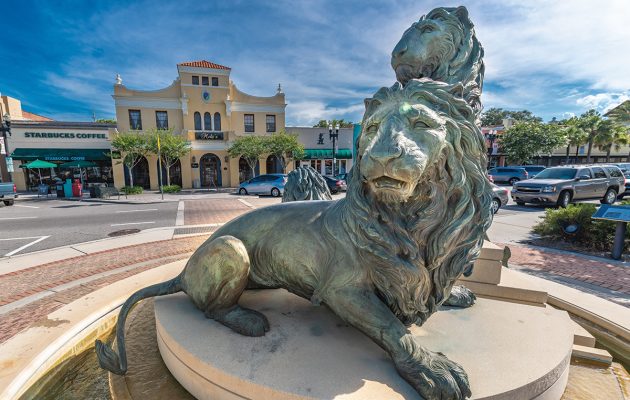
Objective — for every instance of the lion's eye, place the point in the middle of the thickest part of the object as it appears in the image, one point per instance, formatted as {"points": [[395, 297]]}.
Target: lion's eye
{"points": [[426, 28], [420, 125]]}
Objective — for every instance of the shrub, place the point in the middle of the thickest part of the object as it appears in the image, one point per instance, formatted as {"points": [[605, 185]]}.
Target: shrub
{"points": [[171, 188], [132, 190], [591, 234]]}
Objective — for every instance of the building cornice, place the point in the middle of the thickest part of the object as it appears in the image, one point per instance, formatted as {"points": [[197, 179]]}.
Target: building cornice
{"points": [[147, 102], [234, 106], [203, 71]]}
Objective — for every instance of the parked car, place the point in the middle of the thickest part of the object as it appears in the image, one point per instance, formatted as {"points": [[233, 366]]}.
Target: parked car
{"points": [[490, 178], [8, 193], [532, 170], [335, 185], [562, 185], [272, 184], [625, 169], [500, 197], [509, 175], [343, 177]]}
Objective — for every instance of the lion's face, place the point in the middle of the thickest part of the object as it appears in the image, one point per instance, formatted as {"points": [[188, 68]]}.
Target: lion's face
{"points": [[400, 140]]}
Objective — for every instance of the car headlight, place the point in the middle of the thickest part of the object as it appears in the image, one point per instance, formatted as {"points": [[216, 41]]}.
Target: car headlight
{"points": [[549, 189]]}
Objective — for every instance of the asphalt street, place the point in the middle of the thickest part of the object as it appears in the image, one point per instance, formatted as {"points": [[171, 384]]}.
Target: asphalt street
{"points": [[32, 225]]}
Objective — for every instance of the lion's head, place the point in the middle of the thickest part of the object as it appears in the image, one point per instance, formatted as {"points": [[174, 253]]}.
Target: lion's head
{"points": [[442, 46], [418, 200]]}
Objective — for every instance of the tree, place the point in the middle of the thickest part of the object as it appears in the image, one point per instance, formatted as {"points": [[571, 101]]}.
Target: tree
{"points": [[105, 121], [611, 135], [524, 140], [334, 122], [495, 116], [576, 136], [172, 148], [251, 148], [591, 122], [285, 146], [134, 145]]}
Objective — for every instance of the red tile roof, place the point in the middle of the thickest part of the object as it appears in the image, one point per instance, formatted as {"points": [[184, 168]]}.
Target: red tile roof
{"points": [[203, 64], [34, 117]]}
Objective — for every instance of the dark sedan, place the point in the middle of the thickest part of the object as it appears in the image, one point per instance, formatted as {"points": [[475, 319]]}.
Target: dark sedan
{"points": [[335, 185]]}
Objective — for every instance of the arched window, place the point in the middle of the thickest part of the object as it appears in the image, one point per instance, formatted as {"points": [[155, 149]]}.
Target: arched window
{"points": [[197, 121], [207, 122], [217, 121]]}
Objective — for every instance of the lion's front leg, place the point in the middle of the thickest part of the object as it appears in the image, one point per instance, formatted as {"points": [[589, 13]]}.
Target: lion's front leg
{"points": [[460, 296], [432, 374]]}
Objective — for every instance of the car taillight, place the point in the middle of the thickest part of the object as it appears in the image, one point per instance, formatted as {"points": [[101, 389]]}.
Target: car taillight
{"points": [[491, 178], [338, 183], [526, 174], [14, 188]]}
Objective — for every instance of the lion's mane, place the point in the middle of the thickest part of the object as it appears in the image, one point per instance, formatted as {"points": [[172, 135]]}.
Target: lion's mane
{"points": [[414, 253], [305, 183]]}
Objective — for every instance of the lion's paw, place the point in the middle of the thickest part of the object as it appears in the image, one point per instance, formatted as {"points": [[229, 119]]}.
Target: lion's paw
{"points": [[242, 320], [460, 297], [435, 377]]}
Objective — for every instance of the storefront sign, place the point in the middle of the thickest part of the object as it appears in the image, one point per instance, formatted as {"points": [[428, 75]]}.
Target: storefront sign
{"points": [[209, 135], [64, 135], [194, 165]]}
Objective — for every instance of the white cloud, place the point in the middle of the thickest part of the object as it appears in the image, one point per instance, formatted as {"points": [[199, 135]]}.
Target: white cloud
{"points": [[603, 102]]}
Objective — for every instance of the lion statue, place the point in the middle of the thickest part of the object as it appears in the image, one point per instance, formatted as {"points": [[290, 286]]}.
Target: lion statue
{"points": [[305, 183], [442, 46], [383, 258]]}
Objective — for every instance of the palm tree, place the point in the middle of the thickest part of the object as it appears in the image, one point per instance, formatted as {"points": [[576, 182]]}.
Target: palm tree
{"points": [[576, 136], [591, 122], [611, 135]]}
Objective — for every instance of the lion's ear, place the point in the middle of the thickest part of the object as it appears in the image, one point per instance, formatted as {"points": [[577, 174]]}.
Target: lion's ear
{"points": [[462, 14]]}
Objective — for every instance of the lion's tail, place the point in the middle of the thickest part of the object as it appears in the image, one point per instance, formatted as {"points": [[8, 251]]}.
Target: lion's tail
{"points": [[107, 357]]}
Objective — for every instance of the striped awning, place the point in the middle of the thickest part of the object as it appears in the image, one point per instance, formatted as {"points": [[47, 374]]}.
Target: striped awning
{"points": [[318, 154]]}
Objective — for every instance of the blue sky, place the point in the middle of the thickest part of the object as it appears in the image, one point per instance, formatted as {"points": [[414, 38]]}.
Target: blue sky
{"points": [[60, 58]]}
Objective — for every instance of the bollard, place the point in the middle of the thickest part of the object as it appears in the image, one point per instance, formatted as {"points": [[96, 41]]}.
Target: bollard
{"points": [[620, 235]]}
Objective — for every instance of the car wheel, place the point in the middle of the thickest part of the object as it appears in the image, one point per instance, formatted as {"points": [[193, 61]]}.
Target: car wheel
{"points": [[609, 197], [495, 205], [564, 200], [275, 192], [520, 203], [512, 181], [242, 191], [8, 202]]}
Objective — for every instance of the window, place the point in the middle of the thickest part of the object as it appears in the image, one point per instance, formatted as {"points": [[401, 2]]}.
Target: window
{"points": [[217, 121], [215, 81], [197, 121], [161, 119], [204, 81], [207, 121], [195, 80], [614, 172], [249, 122], [585, 172], [598, 172], [271, 123], [135, 122]]}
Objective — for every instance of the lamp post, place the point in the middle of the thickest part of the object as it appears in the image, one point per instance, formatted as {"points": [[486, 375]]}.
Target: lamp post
{"points": [[5, 128], [491, 137], [333, 137]]}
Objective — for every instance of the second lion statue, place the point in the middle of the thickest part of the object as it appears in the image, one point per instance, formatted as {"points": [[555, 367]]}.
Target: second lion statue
{"points": [[383, 258]]}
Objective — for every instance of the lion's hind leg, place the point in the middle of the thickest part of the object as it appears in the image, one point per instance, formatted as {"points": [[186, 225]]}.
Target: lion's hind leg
{"points": [[216, 276], [460, 296]]}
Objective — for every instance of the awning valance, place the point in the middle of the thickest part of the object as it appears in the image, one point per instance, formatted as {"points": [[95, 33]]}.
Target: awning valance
{"points": [[61, 154], [317, 154]]}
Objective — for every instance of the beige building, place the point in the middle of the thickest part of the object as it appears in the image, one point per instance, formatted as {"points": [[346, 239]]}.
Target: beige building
{"points": [[205, 107], [318, 149]]}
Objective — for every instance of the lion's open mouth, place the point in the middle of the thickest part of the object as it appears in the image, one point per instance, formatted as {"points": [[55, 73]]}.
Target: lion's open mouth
{"points": [[385, 182]]}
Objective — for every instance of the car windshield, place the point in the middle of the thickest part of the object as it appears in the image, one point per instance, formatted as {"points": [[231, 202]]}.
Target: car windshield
{"points": [[556, 173]]}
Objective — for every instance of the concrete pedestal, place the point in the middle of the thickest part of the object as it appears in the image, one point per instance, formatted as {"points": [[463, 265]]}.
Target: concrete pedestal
{"points": [[510, 351]]}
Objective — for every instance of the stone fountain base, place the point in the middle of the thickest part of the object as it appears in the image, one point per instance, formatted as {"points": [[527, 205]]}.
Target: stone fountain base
{"points": [[510, 351]]}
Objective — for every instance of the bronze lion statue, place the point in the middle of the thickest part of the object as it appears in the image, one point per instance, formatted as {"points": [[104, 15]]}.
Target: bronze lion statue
{"points": [[305, 183], [442, 46], [383, 258]]}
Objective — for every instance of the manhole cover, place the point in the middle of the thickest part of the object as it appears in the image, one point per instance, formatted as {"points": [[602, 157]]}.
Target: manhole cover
{"points": [[124, 232]]}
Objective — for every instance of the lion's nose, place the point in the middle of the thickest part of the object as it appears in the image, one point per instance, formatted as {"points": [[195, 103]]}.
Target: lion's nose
{"points": [[384, 154]]}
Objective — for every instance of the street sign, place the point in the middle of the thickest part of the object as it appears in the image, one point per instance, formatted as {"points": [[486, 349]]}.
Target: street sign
{"points": [[613, 213]]}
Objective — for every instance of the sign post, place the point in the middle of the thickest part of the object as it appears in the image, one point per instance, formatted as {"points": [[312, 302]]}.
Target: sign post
{"points": [[621, 215]]}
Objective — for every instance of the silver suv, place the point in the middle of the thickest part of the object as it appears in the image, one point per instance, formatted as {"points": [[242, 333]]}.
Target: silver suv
{"points": [[563, 185], [509, 175]]}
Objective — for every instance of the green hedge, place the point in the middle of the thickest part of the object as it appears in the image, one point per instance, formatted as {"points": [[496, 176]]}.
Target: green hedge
{"points": [[592, 234], [171, 188], [132, 190]]}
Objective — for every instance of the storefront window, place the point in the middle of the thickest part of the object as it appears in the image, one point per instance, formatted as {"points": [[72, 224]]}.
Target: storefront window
{"points": [[328, 167], [135, 121], [249, 122], [161, 119]]}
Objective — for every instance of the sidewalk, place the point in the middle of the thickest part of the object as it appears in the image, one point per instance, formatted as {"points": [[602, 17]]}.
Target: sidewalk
{"points": [[606, 279], [148, 196]]}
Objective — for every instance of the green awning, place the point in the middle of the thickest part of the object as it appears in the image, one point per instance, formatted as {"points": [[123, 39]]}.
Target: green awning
{"points": [[315, 154], [61, 154]]}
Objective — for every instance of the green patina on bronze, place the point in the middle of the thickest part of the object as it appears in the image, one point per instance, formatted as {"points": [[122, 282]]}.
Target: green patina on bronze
{"points": [[384, 257], [304, 183]]}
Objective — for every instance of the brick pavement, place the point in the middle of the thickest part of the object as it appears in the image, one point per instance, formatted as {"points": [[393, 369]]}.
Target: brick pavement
{"points": [[588, 270], [212, 211]]}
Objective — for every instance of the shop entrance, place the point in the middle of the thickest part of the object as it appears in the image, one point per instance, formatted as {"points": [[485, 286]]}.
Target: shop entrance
{"points": [[273, 165], [245, 172], [210, 170], [140, 174], [175, 173]]}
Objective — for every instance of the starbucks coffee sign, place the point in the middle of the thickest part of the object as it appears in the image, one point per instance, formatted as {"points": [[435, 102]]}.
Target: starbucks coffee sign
{"points": [[64, 135]]}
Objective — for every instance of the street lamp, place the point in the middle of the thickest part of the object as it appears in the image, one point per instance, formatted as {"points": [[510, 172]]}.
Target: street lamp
{"points": [[491, 137], [333, 137], [5, 127]]}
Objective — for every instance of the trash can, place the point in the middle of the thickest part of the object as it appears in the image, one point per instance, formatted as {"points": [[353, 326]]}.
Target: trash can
{"points": [[77, 189], [67, 188], [59, 188]]}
